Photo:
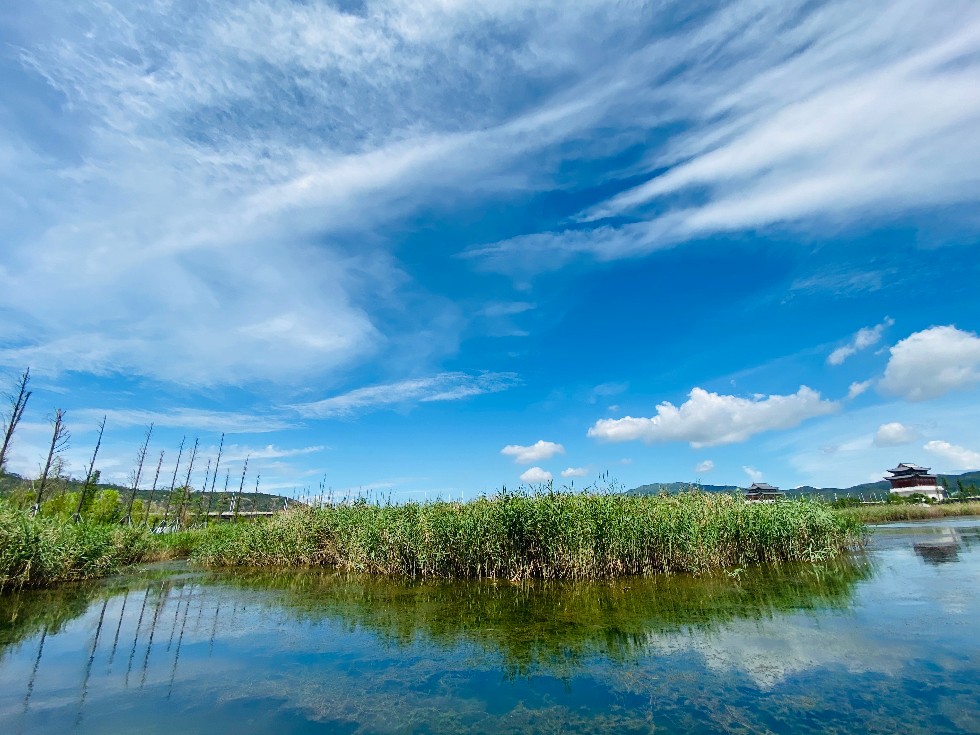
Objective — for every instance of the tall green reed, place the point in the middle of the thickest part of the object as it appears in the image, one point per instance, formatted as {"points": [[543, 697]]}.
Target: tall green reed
{"points": [[552, 535]]}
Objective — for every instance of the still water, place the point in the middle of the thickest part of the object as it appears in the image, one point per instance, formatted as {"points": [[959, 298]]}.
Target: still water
{"points": [[887, 641]]}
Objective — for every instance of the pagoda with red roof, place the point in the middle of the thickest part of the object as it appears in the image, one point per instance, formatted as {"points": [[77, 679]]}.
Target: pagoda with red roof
{"points": [[910, 479]]}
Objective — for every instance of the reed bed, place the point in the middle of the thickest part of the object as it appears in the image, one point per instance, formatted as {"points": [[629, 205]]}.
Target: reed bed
{"points": [[37, 552], [553, 535], [909, 512]]}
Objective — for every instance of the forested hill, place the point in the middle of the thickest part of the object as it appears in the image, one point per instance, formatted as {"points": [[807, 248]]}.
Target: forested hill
{"points": [[966, 479]]}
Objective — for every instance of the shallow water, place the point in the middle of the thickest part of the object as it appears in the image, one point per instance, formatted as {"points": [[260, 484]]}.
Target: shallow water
{"points": [[887, 641]]}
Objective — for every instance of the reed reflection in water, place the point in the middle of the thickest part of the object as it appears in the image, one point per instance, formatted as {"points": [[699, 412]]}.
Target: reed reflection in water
{"points": [[808, 648]]}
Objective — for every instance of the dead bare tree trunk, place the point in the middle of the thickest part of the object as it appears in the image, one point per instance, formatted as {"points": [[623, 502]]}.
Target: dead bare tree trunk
{"points": [[140, 459], [241, 486], [204, 489], [156, 476], [187, 487], [89, 475], [173, 482], [214, 479], [18, 402], [225, 491], [59, 442]]}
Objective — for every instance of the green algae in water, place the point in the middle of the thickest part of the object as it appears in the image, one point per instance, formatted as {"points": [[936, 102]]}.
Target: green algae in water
{"points": [[882, 642]]}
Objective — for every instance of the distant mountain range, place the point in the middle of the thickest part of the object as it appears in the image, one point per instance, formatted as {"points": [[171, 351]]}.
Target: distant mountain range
{"points": [[867, 488]]}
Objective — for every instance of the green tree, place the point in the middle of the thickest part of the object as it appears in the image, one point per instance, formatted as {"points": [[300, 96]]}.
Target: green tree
{"points": [[60, 506], [105, 507]]}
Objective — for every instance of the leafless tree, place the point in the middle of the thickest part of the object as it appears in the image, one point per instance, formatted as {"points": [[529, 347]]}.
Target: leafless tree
{"points": [[60, 439], [241, 486], [153, 489], [204, 489], [214, 479], [18, 402], [137, 475], [89, 475], [187, 486], [173, 481]]}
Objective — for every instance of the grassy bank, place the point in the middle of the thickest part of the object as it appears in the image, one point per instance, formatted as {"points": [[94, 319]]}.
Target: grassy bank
{"points": [[39, 552], [908, 512], [548, 536]]}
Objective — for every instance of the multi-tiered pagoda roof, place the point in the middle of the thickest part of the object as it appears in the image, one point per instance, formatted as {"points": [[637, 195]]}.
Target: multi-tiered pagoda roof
{"points": [[911, 479], [763, 491], [909, 470]]}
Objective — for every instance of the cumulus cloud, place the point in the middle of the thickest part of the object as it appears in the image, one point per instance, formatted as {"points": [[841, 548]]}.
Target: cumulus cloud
{"points": [[957, 457], [894, 434], [705, 466], [452, 386], [575, 472], [534, 453], [931, 363], [536, 475], [754, 474], [864, 338], [857, 388], [709, 419]]}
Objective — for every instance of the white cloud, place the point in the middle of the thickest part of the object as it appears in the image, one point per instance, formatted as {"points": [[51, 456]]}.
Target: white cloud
{"points": [[894, 434], [864, 338], [958, 458], [931, 363], [207, 163], [705, 466], [857, 389], [709, 419], [214, 161], [790, 133], [754, 474], [234, 452], [536, 475], [187, 418], [442, 387], [575, 472], [534, 453]]}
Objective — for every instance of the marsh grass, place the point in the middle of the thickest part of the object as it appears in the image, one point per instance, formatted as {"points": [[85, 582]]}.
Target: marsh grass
{"points": [[909, 512], [552, 535], [37, 552]]}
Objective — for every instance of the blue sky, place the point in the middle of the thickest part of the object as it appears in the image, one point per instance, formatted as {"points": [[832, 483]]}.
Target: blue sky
{"points": [[433, 249]]}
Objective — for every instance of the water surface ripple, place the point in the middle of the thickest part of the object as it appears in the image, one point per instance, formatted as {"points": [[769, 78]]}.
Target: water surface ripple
{"points": [[882, 642]]}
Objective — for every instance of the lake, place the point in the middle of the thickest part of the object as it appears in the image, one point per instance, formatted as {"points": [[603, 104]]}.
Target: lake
{"points": [[884, 641]]}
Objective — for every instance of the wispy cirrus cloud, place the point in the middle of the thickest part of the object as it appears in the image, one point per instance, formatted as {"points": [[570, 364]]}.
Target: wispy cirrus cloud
{"points": [[212, 154], [191, 419], [204, 166], [790, 133], [452, 386]]}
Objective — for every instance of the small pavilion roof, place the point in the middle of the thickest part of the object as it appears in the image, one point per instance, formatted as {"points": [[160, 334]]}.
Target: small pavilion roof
{"points": [[909, 469], [763, 487]]}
